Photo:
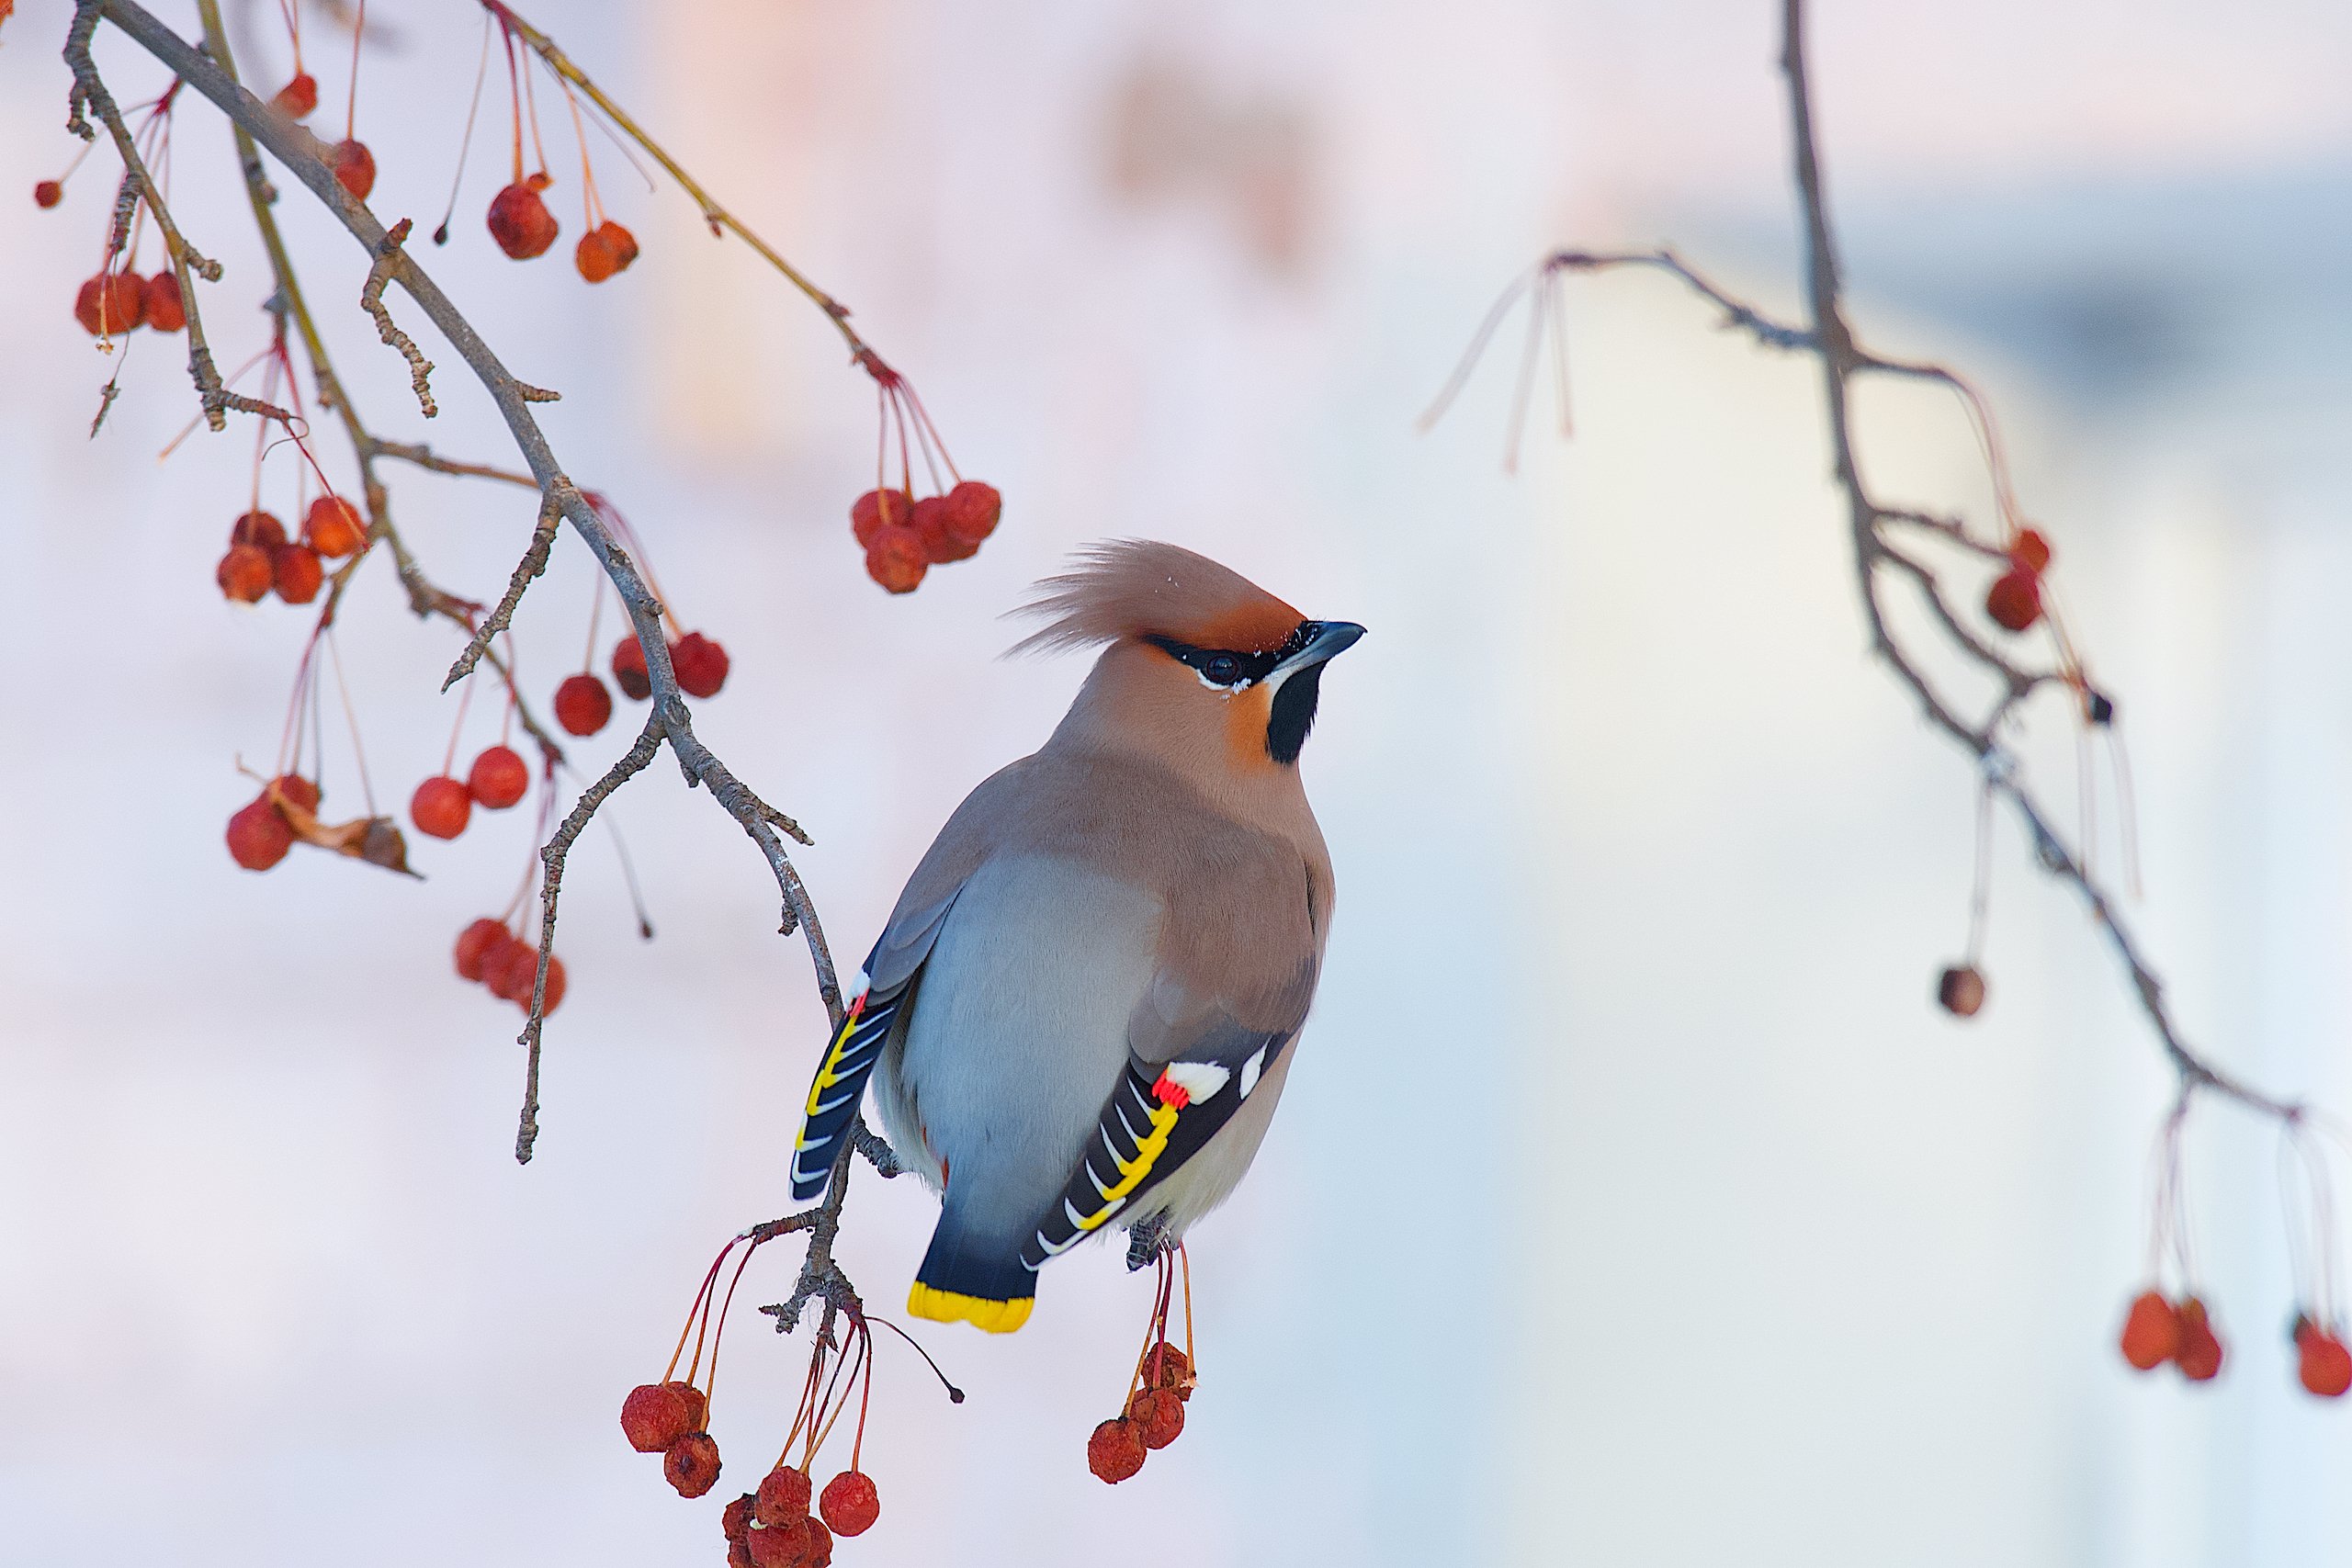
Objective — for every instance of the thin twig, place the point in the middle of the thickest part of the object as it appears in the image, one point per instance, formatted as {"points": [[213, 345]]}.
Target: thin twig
{"points": [[558, 848], [422, 455], [533, 561], [715, 215], [371, 298], [187, 263], [1833, 341]]}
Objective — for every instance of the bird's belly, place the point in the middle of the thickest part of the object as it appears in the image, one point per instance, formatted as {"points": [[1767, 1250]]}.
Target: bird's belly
{"points": [[1018, 1034]]}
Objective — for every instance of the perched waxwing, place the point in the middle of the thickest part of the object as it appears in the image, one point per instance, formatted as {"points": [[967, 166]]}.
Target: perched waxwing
{"points": [[1082, 1009]]}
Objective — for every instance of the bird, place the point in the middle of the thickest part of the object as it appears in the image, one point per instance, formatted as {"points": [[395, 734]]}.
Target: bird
{"points": [[1081, 1009]]}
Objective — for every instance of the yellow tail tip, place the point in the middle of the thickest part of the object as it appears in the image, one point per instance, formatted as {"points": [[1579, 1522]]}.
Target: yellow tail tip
{"points": [[950, 1306]]}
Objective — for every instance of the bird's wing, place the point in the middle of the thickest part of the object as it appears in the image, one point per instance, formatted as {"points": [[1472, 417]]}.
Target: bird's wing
{"points": [[1190, 1065], [849, 1061], [892, 970]]}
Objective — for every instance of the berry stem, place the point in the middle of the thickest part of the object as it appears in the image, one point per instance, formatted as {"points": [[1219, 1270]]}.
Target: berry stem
{"points": [[351, 103]]}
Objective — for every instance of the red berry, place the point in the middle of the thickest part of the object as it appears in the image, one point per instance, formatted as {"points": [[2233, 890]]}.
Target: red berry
{"points": [[821, 1546], [1960, 990], [850, 1503], [931, 523], [652, 1416], [2031, 551], [258, 836], [258, 529], [297, 791], [295, 569], [1157, 1415], [629, 668], [161, 306], [581, 704], [520, 222], [737, 1519], [698, 1402], [1169, 1367], [333, 527], [973, 509], [2326, 1363], [48, 194], [2200, 1356], [298, 97], [897, 559], [739, 1553], [111, 302], [474, 945], [700, 664], [355, 168], [877, 509], [2014, 599], [510, 968], [624, 244], [499, 779], [1115, 1450], [527, 975], [2151, 1331], [594, 256], [245, 574], [783, 1495], [440, 807], [785, 1544], [692, 1464]]}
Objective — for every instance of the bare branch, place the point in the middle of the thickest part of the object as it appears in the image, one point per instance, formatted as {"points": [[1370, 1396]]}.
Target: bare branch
{"points": [[422, 455], [1840, 358], [89, 89], [371, 297], [632, 763], [533, 561]]}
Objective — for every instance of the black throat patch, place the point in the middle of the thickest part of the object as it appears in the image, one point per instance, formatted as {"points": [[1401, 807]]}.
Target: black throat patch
{"points": [[1294, 714]]}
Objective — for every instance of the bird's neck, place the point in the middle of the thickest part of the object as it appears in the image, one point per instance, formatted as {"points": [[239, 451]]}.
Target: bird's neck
{"points": [[1143, 707]]}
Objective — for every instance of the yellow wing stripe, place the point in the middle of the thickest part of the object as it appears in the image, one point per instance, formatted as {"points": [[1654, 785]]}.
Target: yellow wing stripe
{"points": [[825, 1075], [954, 1306], [1133, 1171]]}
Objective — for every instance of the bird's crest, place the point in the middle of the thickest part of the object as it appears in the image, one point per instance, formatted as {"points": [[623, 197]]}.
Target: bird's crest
{"points": [[1136, 588]]}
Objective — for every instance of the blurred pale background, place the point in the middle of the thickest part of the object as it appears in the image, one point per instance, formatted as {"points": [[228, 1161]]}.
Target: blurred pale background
{"points": [[1631, 1204]]}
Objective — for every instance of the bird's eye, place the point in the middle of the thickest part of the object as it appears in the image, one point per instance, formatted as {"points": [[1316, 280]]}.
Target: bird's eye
{"points": [[1222, 668]]}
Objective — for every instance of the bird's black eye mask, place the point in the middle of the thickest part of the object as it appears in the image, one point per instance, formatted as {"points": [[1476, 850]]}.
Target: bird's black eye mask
{"points": [[1232, 668]]}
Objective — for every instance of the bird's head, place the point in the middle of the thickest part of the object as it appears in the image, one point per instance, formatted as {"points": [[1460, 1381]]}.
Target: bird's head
{"points": [[1204, 667]]}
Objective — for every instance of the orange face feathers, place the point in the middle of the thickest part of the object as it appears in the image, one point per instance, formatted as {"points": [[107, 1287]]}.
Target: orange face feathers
{"points": [[1132, 589]]}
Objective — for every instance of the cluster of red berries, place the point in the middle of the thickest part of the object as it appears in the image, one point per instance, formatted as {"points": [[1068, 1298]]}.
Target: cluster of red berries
{"points": [[260, 559], [353, 165], [443, 805], [904, 537], [770, 1528], [2014, 601], [773, 1527], [667, 1418], [490, 955], [259, 834], [584, 706], [1153, 1418], [114, 303], [2156, 1331], [524, 228]]}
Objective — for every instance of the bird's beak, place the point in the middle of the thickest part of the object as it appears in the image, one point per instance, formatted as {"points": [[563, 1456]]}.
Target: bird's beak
{"points": [[1325, 640]]}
